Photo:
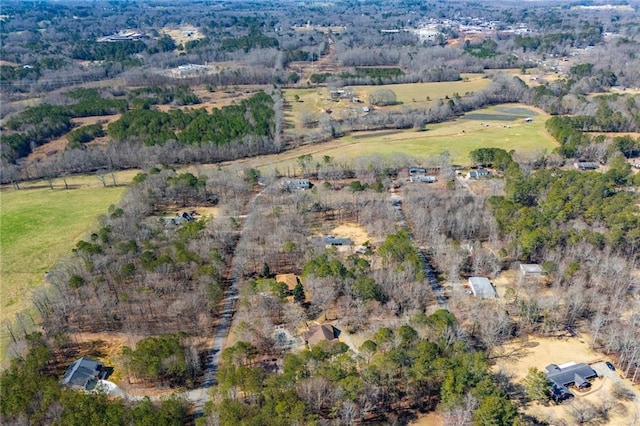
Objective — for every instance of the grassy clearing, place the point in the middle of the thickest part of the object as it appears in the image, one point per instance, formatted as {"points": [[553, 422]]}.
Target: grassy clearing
{"points": [[37, 226], [417, 93], [500, 126], [314, 102]]}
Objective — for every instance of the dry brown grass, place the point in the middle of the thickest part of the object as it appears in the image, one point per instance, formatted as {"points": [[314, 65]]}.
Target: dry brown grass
{"points": [[58, 145], [539, 352], [179, 36]]}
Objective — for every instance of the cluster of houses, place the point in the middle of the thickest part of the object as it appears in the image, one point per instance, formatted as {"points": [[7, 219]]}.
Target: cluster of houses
{"points": [[420, 175], [482, 288]]}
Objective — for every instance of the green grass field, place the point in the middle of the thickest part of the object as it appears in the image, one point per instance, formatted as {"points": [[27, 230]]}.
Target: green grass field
{"points": [[38, 226], [313, 102], [500, 126]]}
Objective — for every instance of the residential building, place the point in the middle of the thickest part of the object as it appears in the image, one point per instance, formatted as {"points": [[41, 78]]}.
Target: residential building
{"points": [[84, 373], [569, 374]]}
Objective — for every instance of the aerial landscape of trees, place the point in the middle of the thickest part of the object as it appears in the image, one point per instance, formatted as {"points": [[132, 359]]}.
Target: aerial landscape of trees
{"points": [[256, 212]]}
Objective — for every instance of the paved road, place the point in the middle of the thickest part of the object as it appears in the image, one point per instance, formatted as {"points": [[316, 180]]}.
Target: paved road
{"points": [[201, 395], [428, 270]]}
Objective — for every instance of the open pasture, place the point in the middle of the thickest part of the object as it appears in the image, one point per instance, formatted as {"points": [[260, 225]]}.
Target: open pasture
{"points": [[37, 227], [500, 126], [414, 93], [314, 102]]}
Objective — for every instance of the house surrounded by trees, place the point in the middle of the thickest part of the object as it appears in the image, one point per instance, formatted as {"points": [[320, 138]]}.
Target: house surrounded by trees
{"points": [[84, 374]]}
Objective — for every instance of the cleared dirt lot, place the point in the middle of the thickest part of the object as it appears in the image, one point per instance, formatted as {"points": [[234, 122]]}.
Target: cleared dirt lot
{"points": [[518, 357]]}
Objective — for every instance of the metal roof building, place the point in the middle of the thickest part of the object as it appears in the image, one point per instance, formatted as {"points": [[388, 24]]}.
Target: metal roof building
{"points": [[482, 288]]}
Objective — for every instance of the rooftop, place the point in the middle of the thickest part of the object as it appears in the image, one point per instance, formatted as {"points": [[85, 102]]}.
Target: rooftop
{"points": [[482, 288], [577, 374], [84, 373], [531, 268]]}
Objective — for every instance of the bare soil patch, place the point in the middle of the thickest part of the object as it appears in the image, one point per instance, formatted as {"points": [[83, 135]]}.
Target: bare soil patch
{"points": [[429, 419], [58, 145], [183, 34], [519, 356], [355, 232]]}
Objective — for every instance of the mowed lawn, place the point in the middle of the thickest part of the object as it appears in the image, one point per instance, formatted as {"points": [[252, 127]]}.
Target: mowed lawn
{"points": [[37, 227]]}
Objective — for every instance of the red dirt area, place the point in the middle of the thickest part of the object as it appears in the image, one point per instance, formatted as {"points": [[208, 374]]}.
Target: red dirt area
{"points": [[58, 145]]}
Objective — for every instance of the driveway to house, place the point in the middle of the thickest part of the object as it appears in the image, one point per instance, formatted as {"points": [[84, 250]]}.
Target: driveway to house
{"points": [[429, 273], [603, 371], [200, 395]]}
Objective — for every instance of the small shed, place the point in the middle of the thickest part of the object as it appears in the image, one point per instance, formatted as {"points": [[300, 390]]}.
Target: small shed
{"points": [[531, 269], [417, 170], [482, 288], [585, 165]]}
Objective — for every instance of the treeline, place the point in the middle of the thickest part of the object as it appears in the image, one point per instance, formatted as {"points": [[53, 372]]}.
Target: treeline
{"points": [[144, 97], [32, 70], [572, 132], [253, 116], [112, 51], [30, 392], [84, 135], [140, 272], [588, 35], [255, 39], [37, 125], [378, 76], [540, 212], [395, 370]]}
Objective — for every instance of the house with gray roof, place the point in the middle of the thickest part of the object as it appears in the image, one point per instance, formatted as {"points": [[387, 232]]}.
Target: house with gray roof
{"points": [[479, 173], [569, 374], [338, 241], [295, 184], [84, 373], [482, 288], [423, 179], [585, 165]]}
